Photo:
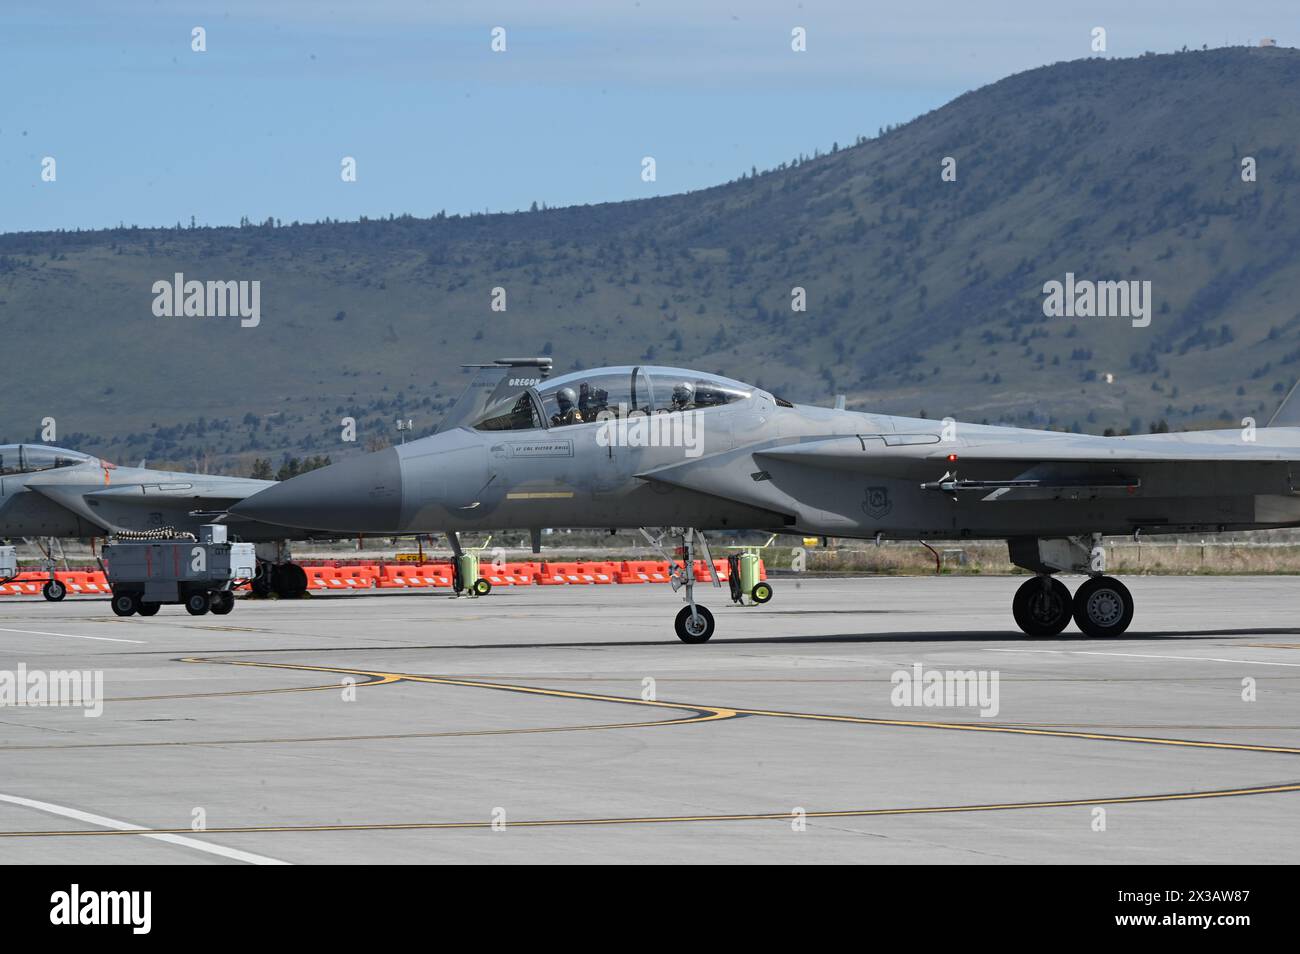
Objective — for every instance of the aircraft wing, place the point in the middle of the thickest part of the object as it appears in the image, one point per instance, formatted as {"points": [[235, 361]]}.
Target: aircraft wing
{"points": [[868, 452], [115, 507], [788, 478]]}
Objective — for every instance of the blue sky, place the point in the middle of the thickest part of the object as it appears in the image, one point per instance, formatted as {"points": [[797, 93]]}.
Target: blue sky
{"points": [[145, 131]]}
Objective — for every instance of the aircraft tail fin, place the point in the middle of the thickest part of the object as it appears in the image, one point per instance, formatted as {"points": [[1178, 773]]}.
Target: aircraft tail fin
{"points": [[491, 383], [1288, 412]]}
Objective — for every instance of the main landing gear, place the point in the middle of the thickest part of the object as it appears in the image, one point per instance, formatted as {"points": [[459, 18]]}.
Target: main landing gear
{"points": [[694, 624], [285, 580], [1102, 606], [277, 574]]}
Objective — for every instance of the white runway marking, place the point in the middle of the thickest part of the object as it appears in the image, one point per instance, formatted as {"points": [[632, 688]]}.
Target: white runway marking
{"points": [[37, 632], [1093, 652], [103, 822]]}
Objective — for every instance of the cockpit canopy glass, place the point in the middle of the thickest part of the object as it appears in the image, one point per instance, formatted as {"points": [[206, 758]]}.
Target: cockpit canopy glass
{"points": [[30, 458], [513, 414], [585, 397], [679, 390]]}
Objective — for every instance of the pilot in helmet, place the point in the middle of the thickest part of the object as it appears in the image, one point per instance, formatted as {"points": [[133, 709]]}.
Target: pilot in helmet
{"points": [[567, 399], [683, 396]]}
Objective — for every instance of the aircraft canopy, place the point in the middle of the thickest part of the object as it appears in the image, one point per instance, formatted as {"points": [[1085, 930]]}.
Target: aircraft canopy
{"points": [[29, 458], [584, 397]]}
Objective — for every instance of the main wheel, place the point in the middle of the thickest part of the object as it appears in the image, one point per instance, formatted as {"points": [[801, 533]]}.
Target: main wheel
{"points": [[1039, 610], [761, 593], [196, 604], [289, 580], [694, 629], [54, 590], [481, 587], [262, 581], [223, 601], [1103, 606], [147, 609], [125, 604]]}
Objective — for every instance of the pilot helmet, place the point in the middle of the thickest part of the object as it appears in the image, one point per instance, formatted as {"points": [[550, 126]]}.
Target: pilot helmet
{"points": [[683, 393], [567, 397]]}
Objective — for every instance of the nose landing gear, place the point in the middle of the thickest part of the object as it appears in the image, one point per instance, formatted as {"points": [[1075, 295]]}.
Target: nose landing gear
{"points": [[694, 623]]}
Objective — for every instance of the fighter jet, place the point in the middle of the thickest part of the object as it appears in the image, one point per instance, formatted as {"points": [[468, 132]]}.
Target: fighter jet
{"points": [[677, 452], [59, 493]]}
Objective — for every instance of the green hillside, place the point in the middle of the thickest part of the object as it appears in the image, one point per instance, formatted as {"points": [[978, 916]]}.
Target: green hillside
{"points": [[923, 295]]}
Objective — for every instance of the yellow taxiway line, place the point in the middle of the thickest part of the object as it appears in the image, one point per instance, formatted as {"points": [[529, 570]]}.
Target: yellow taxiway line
{"points": [[703, 713], [714, 713], [669, 819]]}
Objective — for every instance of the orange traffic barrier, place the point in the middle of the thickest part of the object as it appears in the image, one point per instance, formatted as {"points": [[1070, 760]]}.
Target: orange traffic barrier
{"points": [[323, 578], [526, 574], [644, 571], [357, 577], [702, 571], [392, 576], [575, 573], [601, 572], [362, 576], [436, 574]]}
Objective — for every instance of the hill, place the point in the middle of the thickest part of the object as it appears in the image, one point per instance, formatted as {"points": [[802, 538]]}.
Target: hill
{"points": [[923, 295]]}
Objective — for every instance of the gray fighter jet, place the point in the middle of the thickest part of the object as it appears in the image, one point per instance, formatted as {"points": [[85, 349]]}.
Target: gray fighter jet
{"points": [[677, 452], [54, 492]]}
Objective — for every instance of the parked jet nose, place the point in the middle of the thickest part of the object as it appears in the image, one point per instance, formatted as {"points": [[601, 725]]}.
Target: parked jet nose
{"points": [[361, 495]]}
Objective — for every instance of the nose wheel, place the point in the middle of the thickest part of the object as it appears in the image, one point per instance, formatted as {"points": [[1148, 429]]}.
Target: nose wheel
{"points": [[694, 624]]}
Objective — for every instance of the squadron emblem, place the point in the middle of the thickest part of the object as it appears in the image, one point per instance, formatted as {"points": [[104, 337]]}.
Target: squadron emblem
{"points": [[877, 503]]}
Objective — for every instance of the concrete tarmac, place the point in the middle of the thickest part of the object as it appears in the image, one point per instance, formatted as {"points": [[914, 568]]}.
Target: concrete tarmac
{"points": [[568, 724]]}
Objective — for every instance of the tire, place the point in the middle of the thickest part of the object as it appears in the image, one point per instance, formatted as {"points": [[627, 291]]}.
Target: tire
{"points": [[761, 593], [481, 587], [196, 604], [125, 604], [289, 580], [1041, 613], [148, 609], [223, 602], [689, 633], [1103, 607], [261, 584], [54, 591]]}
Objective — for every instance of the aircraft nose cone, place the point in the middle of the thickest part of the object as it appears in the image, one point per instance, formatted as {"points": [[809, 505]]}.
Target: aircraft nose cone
{"points": [[361, 495]]}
